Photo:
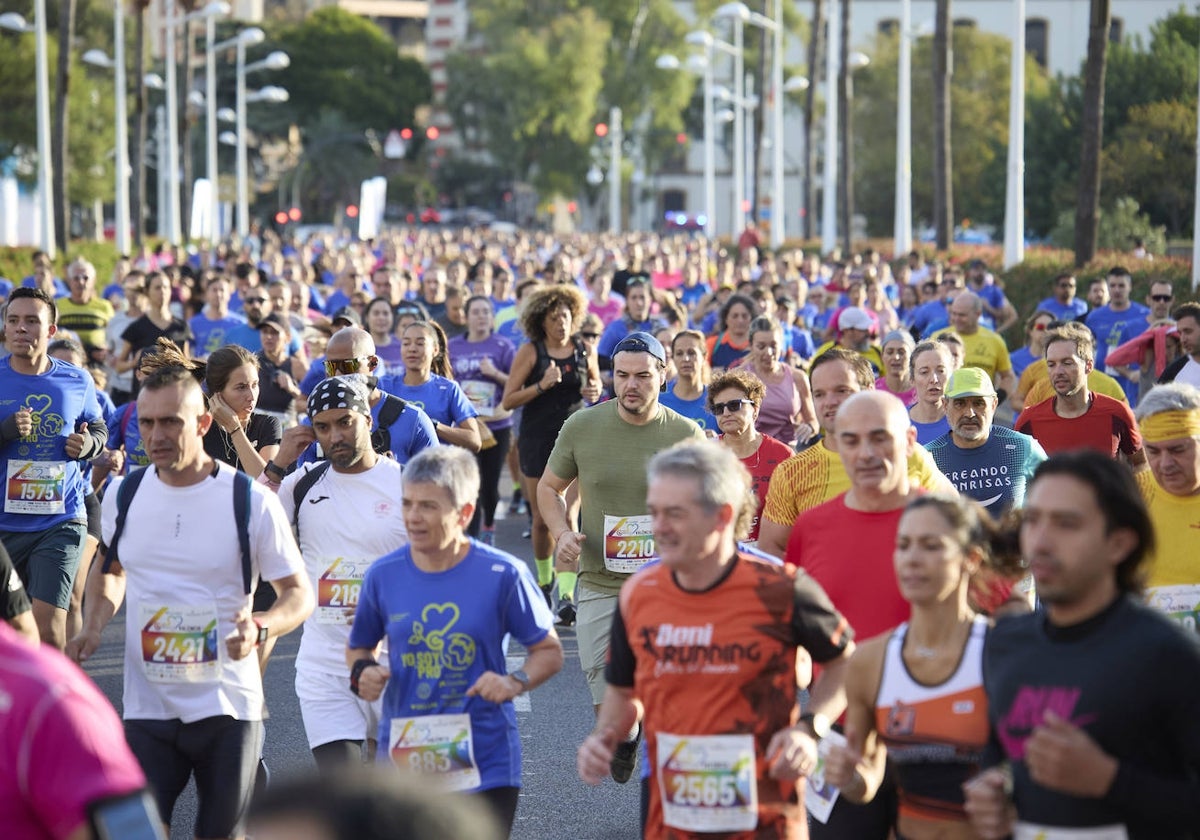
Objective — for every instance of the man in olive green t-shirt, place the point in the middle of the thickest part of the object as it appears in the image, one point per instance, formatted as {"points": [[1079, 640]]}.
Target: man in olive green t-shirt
{"points": [[606, 448]]}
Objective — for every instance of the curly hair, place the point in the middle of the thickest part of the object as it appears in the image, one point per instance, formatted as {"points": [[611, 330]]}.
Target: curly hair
{"points": [[544, 301], [748, 383]]}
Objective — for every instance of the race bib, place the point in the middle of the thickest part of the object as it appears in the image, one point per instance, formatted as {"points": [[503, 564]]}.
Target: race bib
{"points": [[628, 543], [338, 589], [179, 644], [1030, 831], [437, 746], [482, 395], [1180, 603], [707, 782], [820, 797], [36, 487]]}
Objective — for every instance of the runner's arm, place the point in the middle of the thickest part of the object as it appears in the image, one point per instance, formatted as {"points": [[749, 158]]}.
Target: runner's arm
{"points": [[104, 593], [295, 603]]}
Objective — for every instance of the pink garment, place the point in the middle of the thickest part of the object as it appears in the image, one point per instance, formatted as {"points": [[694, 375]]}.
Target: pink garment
{"points": [[780, 409], [608, 312], [62, 745], [1130, 353], [909, 397]]}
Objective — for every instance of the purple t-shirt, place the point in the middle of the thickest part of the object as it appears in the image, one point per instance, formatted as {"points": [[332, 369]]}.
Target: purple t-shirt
{"points": [[484, 392], [61, 744]]}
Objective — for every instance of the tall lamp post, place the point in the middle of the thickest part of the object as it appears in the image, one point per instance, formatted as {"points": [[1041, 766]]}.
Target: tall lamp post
{"points": [[1014, 204], [902, 217], [702, 64], [98, 58], [13, 21], [730, 10], [275, 61], [829, 179]]}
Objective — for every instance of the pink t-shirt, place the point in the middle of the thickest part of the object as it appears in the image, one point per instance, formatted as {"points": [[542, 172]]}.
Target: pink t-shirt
{"points": [[62, 745], [608, 312]]}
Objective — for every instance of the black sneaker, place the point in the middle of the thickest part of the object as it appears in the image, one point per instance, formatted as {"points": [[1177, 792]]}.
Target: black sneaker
{"points": [[624, 760], [547, 590], [516, 504], [566, 612]]}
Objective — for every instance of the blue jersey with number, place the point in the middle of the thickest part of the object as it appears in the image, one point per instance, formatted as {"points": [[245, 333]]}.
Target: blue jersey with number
{"points": [[995, 474], [44, 487], [441, 398], [444, 630]]}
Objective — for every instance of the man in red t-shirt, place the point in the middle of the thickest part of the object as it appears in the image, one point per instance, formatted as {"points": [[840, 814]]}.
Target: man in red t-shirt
{"points": [[847, 544], [705, 642], [1077, 417]]}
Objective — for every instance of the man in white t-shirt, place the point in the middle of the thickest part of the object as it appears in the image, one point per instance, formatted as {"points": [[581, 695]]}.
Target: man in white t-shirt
{"points": [[193, 699], [1187, 321], [347, 513]]}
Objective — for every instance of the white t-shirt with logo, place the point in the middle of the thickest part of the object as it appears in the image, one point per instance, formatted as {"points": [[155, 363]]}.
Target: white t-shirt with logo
{"points": [[1189, 374], [184, 589], [347, 521]]}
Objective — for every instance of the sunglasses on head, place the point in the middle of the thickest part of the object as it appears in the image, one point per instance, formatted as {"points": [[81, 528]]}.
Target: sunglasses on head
{"points": [[344, 367], [732, 405]]}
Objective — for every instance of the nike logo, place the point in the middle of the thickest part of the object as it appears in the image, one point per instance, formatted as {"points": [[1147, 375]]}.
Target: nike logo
{"points": [[986, 502], [318, 499]]}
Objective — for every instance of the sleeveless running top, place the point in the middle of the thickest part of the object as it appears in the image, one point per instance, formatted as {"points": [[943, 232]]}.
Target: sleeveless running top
{"points": [[545, 414], [935, 734], [780, 408]]}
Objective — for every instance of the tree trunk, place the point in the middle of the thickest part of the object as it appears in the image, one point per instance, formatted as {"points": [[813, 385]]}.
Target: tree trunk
{"points": [[758, 120], [138, 197], [58, 138], [1087, 208], [943, 187], [816, 56], [846, 120], [185, 128]]}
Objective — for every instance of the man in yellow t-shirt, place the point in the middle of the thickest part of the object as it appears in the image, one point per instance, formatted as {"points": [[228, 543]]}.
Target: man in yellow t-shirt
{"points": [[1169, 418], [1035, 386], [983, 348], [817, 474]]}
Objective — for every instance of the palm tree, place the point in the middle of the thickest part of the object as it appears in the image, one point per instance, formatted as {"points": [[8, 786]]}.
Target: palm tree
{"points": [[58, 140], [1087, 207], [943, 188], [816, 50]]}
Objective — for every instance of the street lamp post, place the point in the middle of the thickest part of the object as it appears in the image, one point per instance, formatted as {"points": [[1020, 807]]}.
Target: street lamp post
{"points": [[829, 180], [902, 218], [1014, 204], [274, 61], [703, 65], [98, 58], [13, 21]]}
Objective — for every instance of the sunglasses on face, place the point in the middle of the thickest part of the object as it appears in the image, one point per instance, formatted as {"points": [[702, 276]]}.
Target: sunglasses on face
{"points": [[345, 367], [733, 406], [256, 300], [1040, 327], [1162, 298], [590, 336]]}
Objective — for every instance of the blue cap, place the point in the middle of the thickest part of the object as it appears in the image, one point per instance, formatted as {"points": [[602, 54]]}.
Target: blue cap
{"points": [[641, 342]]}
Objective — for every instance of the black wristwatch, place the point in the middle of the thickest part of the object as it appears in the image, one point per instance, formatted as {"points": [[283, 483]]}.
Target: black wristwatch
{"points": [[357, 670], [275, 470], [521, 677]]}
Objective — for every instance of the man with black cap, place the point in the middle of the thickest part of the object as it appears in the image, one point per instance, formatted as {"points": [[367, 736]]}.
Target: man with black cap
{"points": [[256, 306], [347, 513], [605, 448], [278, 370]]}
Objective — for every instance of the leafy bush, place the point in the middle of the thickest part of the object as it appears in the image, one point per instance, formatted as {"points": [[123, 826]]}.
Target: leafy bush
{"points": [[1119, 225]]}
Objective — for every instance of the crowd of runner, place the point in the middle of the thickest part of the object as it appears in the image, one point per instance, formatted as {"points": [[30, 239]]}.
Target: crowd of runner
{"points": [[839, 563]]}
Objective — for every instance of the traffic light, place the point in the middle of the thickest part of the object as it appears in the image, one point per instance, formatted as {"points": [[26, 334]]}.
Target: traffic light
{"points": [[406, 134], [681, 138], [352, 211], [432, 132], [601, 129]]}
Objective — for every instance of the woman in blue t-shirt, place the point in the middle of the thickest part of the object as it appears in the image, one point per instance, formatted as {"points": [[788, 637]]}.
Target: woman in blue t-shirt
{"points": [[427, 383], [931, 365]]}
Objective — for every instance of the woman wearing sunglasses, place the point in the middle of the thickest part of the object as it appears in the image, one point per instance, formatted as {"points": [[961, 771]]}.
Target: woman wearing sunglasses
{"points": [[734, 398], [1035, 336], [481, 361], [428, 383]]}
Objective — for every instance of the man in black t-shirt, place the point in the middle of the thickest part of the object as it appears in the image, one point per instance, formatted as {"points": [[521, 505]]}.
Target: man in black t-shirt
{"points": [[1092, 701]]}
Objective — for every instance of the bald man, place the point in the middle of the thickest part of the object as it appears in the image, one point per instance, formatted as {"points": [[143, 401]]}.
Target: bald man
{"points": [[983, 348]]}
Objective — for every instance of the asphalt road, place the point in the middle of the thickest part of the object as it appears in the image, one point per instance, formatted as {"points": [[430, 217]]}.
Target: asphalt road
{"points": [[554, 718]]}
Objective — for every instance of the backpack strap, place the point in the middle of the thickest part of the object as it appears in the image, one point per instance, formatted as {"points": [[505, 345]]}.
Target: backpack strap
{"points": [[241, 514], [124, 498], [127, 420], [300, 488], [389, 413]]}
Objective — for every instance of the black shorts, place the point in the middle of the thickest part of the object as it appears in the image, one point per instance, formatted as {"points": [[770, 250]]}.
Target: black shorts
{"points": [[221, 752], [91, 504], [533, 453]]}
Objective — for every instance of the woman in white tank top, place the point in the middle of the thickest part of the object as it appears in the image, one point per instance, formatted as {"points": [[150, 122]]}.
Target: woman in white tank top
{"points": [[915, 695]]}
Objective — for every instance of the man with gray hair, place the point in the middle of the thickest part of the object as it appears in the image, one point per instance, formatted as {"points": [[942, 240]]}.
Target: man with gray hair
{"points": [[83, 312], [983, 348], [706, 642], [1169, 418]]}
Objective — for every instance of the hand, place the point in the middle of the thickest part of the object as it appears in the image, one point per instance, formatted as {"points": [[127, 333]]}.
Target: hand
{"points": [[240, 643], [594, 759], [223, 415], [1062, 757], [987, 805], [372, 681], [792, 753], [591, 390], [487, 368], [566, 551], [294, 441], [804, 432], [841, 766], [80, 648], [77, 439], [495, 688], [286, 383], [24, 420], [551, 377]]}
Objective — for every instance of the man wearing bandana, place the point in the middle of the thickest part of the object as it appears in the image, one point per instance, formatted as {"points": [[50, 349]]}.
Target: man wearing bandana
{"points": [[347, 512]]}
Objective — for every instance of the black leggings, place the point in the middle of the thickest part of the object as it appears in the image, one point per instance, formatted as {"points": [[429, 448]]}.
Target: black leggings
{"points": [[491, 462], [335, 756]]}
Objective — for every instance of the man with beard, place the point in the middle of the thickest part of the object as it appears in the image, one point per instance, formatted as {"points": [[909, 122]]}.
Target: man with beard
{"points": [[1076, 417], [991, 464], [605, 448]]}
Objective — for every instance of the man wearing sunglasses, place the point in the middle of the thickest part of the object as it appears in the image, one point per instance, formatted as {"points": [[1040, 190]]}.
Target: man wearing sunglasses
{"points": [[256, 305]]}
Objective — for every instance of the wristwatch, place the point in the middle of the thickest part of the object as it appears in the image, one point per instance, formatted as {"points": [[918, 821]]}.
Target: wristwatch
{"points": [[818, 723], [263, 633], [521, 677], [275, 470]]}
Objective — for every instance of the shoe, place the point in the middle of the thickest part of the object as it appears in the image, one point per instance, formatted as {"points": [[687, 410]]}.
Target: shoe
{"points": [[527, 534], [515, 504], [566, 613], [547, 589], [487, 536], [624, 760]]}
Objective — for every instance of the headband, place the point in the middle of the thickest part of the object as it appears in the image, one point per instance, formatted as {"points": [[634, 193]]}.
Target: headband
{"points": [[338, 392], [1170, 425]]}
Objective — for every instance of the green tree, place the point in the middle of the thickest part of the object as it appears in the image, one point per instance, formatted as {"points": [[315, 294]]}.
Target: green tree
{"points": [[1153, 156], [1117, 228], [978, 124]]}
